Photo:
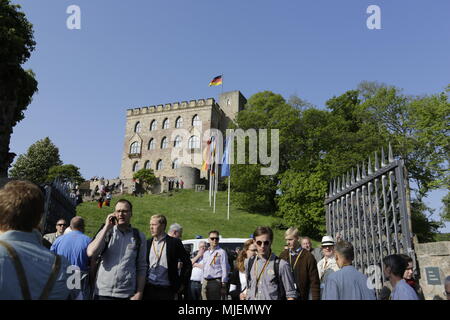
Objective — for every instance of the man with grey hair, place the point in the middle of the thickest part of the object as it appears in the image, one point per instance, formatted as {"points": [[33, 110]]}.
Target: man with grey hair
{"points": [[346, 283], [195, 283], [176, 231]]}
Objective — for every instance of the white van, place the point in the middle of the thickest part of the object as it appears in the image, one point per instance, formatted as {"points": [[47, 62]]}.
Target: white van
{"points": [[228, 244]]}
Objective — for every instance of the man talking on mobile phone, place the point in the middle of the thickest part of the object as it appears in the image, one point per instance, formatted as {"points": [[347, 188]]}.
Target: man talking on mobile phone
{"points": [[119, 252]]}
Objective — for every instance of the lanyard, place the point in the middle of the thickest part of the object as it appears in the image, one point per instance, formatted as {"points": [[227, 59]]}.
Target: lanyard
{"points": [[296, 260], [160, 251], [262, 271]]}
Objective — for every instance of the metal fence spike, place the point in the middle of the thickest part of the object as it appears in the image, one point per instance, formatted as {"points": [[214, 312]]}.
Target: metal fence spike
{"points": [[369, 168], [383, 158], [377, 165], [334, 187], [391, 157], [330, 191], [358, 174], [363, 170], [353, 176], [349, 182], [338, 185]]}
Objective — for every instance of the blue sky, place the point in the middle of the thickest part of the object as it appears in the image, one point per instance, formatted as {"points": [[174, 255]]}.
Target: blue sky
{"points": [[135, 53]]}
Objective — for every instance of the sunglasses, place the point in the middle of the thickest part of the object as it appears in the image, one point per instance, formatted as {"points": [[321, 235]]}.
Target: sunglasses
{"points": [[259, 243], [61, 225], [213, 238]]}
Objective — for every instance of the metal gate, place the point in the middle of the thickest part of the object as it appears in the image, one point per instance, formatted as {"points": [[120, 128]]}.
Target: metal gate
{"points": [[369, 210]]}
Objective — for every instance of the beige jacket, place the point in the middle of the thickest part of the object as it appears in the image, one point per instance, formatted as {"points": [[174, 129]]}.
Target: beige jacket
{"points": [[326, 264]]}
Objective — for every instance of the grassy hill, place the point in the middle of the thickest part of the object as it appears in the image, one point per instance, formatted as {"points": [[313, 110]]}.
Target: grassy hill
{"points": [[190, 209]]}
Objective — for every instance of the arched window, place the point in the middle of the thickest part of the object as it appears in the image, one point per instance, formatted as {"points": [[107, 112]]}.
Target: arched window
{"points": [[179, 122], [151, 144], [166, 124], [194, 142], [175, 164], [177, 142], [135, 147], [148, 164], [137, 127], [153, 125], [196, 121], [159, 165], [135, 166], [164, 143]]}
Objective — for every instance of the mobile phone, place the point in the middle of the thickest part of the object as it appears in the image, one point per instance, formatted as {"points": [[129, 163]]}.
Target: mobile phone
{"points": [[113, 220]]}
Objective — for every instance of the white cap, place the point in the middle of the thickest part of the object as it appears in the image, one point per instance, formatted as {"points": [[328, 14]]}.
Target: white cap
{"points": [[327, 241]]}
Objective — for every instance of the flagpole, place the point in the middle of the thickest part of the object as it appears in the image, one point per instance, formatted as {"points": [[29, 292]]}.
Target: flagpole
{"points": [[229, 180], [216, 179], [210, 186]]}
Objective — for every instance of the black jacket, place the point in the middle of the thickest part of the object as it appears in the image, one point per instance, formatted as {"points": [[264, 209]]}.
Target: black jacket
{"points": [[175, 252]]}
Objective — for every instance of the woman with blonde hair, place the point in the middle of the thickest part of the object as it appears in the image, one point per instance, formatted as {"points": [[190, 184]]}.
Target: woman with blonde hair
{"points": [[238, 280]]}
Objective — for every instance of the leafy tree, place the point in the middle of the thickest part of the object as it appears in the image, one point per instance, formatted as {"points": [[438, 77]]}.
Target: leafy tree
{"points": [[65, 172], [424, 228], [36, 163], [17, 85], [146, 177], [301, 202]]}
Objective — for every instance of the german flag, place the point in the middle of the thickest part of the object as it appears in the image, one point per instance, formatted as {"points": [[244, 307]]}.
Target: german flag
{"points": [[217, 81]]}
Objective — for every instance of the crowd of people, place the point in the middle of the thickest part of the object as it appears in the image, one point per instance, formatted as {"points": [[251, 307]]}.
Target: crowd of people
{"points": [[119, 263]]}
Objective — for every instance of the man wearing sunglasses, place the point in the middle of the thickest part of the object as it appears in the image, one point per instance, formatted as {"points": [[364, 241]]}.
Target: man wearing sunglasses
{"points": [[61, 226], [268, 277], [215, 270]]}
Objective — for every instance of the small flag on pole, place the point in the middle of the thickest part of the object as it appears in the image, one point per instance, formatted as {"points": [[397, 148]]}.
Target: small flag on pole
{"points": [[217, 81], [206, 156], [225, 159]]}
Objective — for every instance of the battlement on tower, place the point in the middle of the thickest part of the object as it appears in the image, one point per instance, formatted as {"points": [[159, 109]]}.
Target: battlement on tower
{"points": [[171, 107]]}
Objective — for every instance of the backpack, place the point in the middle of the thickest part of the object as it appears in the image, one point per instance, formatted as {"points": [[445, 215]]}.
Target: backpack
{"points": [[96, 263], [276, 269]]}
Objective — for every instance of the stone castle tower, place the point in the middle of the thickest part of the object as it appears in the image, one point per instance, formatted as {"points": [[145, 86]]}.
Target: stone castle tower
{"points": [[161, 137]]}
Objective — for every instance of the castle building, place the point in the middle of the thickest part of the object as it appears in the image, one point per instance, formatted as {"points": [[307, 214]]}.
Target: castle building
{"points": [[162, 137]]}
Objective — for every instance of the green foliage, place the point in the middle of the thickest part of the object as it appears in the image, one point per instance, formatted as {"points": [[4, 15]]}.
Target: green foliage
{"points": [[445, 214], [16, 34], [36, 163], [65, 172], [301, 202], [423, 228], [146, 177], [252, 191]]}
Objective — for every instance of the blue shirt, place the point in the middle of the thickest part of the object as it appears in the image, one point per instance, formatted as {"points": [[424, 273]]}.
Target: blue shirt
{"points": [[215, 264], [403, 291], [347, 284], [73, 246], [37, 262]]}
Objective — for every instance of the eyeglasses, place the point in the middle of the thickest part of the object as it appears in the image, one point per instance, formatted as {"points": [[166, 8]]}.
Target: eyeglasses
{"points": [[214, 239], [259, 243], [254, 250], [61, 225], [122, 211]]}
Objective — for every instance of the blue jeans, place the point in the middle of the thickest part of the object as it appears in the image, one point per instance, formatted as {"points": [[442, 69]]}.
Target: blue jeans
{"points": [[195, 290]]}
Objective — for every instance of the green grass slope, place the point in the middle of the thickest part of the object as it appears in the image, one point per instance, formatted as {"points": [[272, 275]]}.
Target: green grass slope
{"points": [[190, 209]]}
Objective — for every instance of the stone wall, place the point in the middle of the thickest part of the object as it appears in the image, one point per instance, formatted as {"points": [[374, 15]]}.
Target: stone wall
{"points": [[434, 265]]}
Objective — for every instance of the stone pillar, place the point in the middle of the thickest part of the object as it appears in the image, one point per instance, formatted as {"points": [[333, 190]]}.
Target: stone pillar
{"points": [[434, 263]]}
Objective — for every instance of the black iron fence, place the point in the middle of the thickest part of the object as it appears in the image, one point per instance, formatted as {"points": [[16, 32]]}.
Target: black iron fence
{"points": [[60, 203], [369, 209]]}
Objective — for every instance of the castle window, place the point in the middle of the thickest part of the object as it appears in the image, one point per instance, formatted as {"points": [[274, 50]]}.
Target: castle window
{"points": [[137, 127], [159, 165], [135, 166], [164, 143], [179, 122], [135, 147], [166, 124], [153, 125], [148, 164], [151, 144], [177, 142], [175, 164], [194, 142], [196, 121]]}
